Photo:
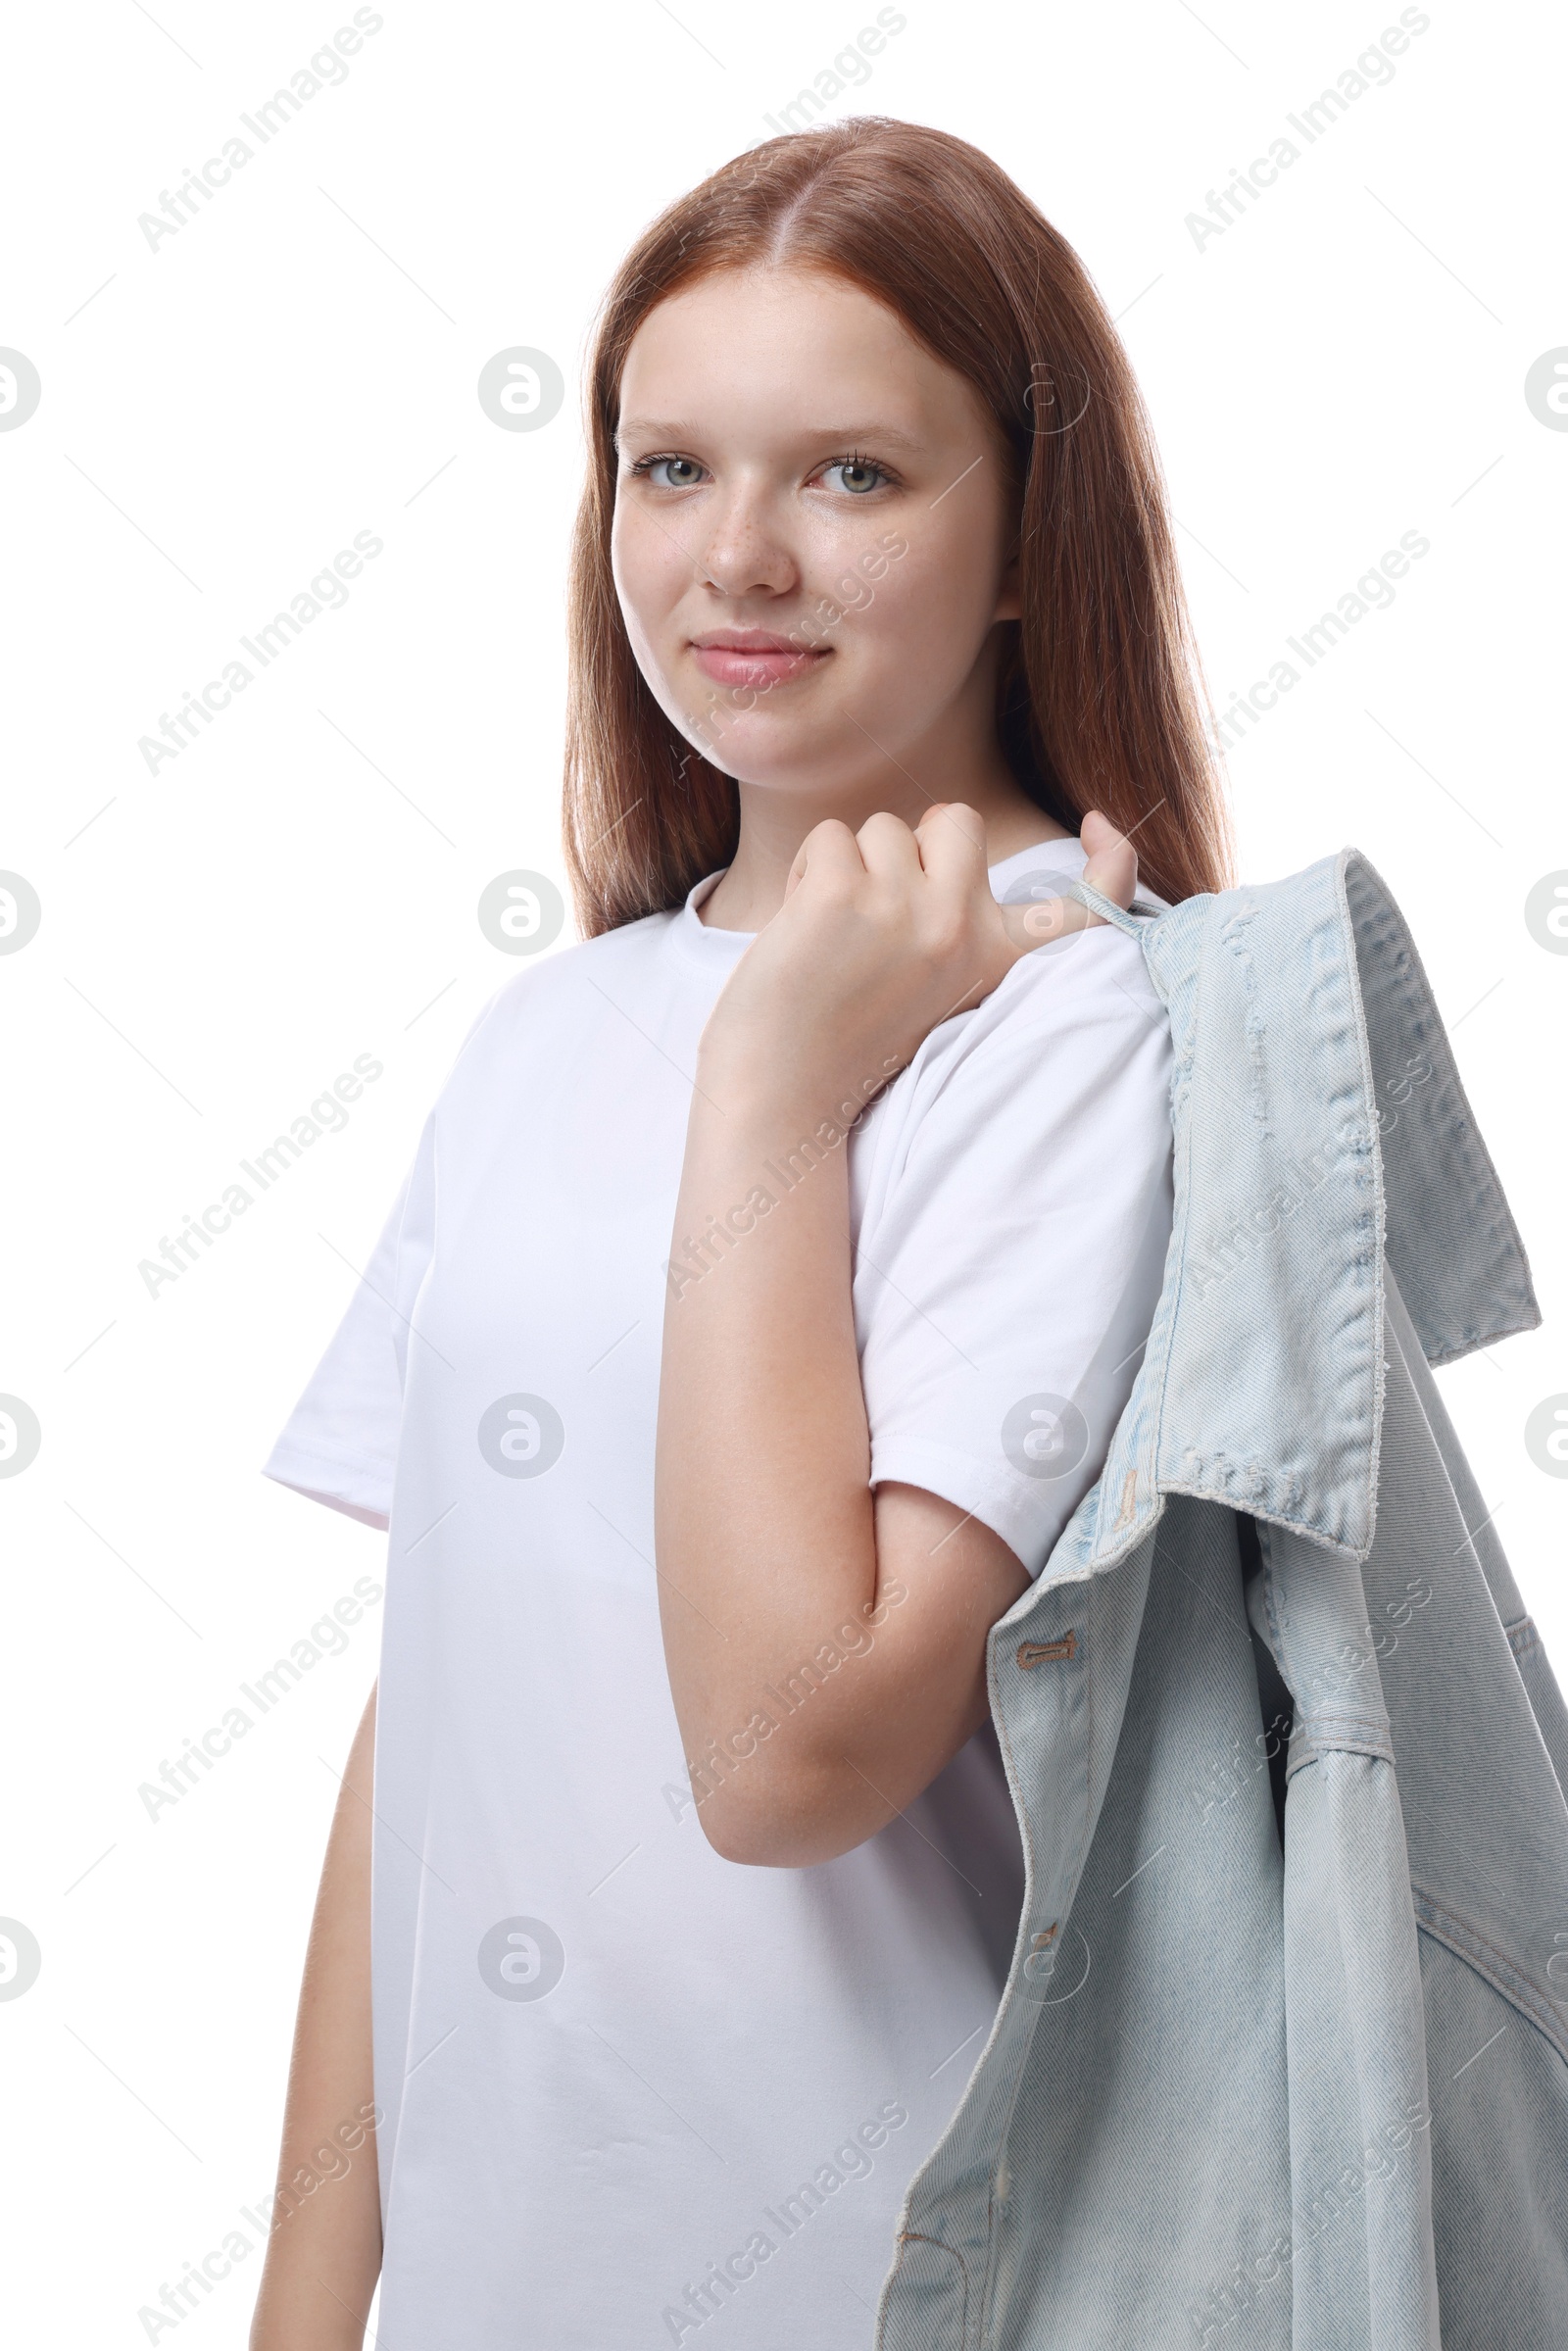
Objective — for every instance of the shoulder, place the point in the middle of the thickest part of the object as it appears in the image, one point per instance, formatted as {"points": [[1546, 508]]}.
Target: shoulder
{"points": [[1067, 1063], [538, 1023], [572, 979], [1089, 997]]}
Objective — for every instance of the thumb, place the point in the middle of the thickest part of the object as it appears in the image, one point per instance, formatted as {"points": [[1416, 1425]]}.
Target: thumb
{"points": [[1111, 869], [1113, 866]]}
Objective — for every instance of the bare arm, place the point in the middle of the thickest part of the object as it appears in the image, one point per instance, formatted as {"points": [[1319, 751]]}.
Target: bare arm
{"points": [[825, 1643], [325, 2247]]}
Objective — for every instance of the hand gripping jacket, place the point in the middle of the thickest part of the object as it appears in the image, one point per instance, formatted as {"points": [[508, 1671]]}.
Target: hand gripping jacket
{"points": [[1299, 2092]]}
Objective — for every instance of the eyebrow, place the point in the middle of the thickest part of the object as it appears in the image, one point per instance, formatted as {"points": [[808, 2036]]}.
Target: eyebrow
{"points": [[660, 429]]}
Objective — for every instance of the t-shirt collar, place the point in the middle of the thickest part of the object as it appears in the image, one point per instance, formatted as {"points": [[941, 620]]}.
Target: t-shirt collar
{"points": [[698, 938]]}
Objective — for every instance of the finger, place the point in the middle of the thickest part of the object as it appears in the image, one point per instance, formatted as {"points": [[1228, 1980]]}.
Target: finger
{"points": [[1111, 869], [888, 847], [952, 840], [1037, 923], [829, 848], [1113, 866]]}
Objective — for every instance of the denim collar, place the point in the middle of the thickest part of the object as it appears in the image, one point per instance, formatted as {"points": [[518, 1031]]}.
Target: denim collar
{"points": [[1318, 1122]]}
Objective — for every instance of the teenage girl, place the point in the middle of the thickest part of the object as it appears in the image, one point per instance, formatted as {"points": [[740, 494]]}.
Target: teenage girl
{"points": [[770, 1278]]}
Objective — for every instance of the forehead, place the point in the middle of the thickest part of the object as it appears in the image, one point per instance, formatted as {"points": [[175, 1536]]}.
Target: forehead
{"points": [[790, 348]]}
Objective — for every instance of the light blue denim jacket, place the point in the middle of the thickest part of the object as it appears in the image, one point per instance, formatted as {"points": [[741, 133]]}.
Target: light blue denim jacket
{"points": [[1313, 2099]]}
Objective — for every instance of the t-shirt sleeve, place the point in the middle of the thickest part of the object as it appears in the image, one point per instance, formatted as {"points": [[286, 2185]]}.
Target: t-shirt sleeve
{"points": [[339, 1444], [1011, 1251]]}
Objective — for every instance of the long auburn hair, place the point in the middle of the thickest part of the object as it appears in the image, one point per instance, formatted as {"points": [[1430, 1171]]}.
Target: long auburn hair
{"points": [[1100, 698]]}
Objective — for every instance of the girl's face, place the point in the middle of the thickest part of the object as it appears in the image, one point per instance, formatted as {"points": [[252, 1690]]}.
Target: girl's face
{"points": [[812, 534]]}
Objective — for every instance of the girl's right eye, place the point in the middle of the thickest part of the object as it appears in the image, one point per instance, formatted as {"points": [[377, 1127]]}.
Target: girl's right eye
{"points": [[646, 468]]}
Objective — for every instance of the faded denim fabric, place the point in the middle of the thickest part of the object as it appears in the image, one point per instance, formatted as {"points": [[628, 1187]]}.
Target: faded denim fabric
{"points": [[1311, 2098]]}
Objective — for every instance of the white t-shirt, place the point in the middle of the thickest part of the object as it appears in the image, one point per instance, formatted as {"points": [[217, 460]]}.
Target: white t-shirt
{"points": [[636, 2094]]}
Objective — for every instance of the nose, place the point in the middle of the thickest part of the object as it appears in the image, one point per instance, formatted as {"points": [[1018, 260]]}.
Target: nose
{"points": [[746, 551]]}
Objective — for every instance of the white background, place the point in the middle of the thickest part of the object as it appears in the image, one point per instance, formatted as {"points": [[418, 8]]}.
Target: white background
{"points": [[218, 941]]}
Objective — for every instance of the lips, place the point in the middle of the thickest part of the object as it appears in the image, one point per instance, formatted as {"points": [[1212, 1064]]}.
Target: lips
{"points": [[753, 657]]}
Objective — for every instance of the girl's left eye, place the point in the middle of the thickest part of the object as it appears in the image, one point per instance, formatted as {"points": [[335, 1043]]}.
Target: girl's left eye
{"points": [[861, 475]]}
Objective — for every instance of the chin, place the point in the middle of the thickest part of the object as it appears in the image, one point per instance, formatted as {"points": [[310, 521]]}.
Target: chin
{"points": [[790, 746], [814, 772]]}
